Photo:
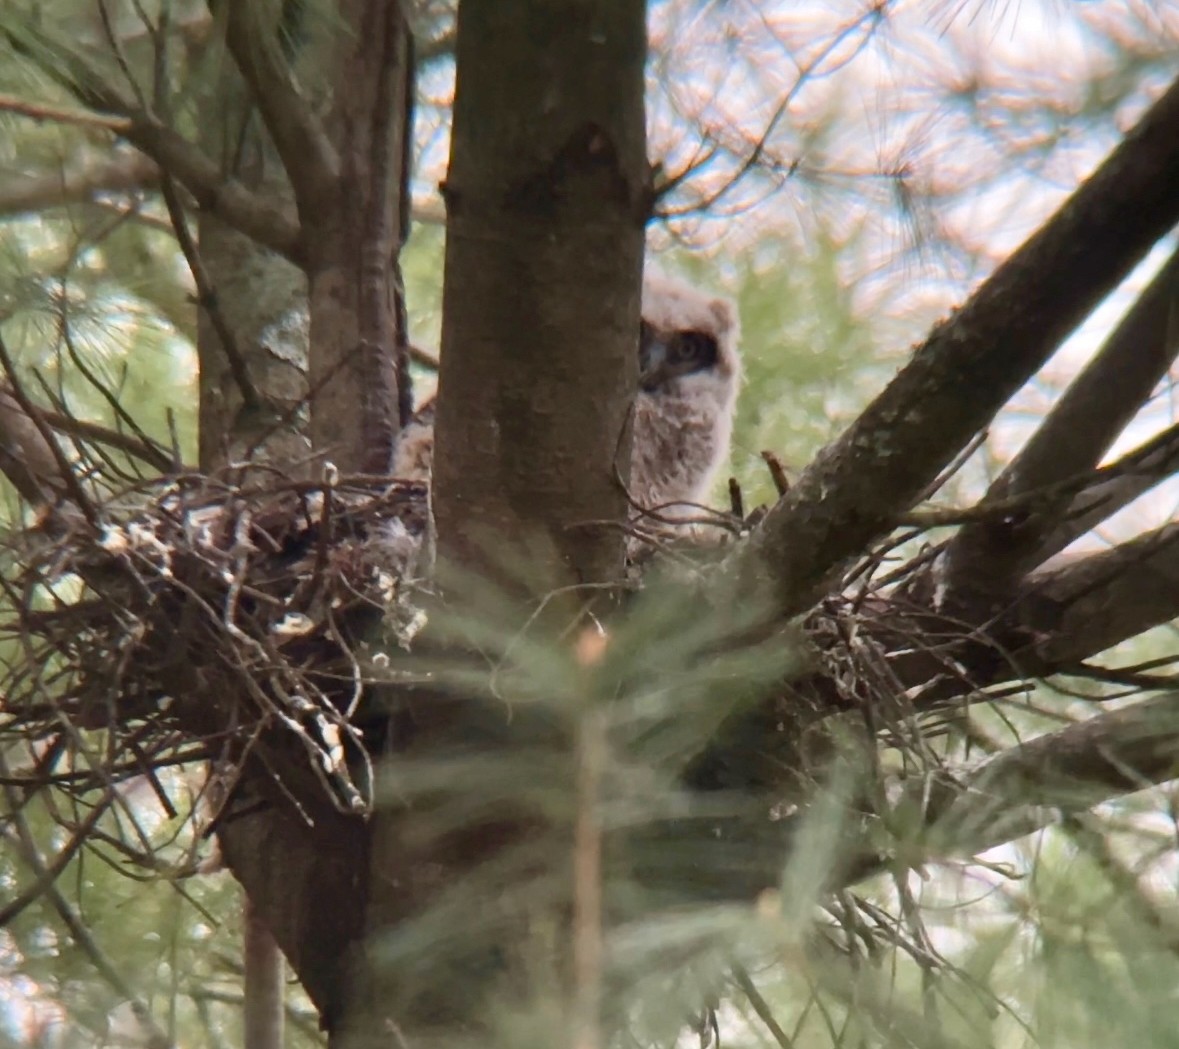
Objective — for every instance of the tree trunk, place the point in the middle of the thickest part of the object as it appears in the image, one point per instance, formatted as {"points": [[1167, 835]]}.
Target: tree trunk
{"points": [[547, 194], [547, 197]]}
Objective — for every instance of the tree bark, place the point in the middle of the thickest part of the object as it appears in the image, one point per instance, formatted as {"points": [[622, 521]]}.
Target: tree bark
{"points": [[547, 197], [264, 978], [352, 240]]}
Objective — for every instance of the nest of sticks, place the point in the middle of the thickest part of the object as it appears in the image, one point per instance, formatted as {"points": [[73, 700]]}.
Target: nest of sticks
{"points": [[199, 618], [186, 617]]}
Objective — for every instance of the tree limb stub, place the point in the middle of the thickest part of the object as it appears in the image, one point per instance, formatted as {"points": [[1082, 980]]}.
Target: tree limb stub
{"points": [[970, 366]]}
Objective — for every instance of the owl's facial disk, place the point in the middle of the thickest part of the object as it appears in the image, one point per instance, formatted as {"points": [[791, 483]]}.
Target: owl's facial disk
{"points": [[664, 356]]}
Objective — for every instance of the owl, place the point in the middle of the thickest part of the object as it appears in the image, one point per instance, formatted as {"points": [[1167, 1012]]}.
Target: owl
{"points": [[689, 375]]}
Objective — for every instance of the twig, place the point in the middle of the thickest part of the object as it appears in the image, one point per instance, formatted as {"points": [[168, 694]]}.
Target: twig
{"points": [[760, 1006], [871, 18], [423, 357], [777, 472], [157, 1038], [736, 500], [116, 47], [61, 115], [142, 448], [271, 225], [207, 294], [77, 182], [68, 478], [49, 873]]}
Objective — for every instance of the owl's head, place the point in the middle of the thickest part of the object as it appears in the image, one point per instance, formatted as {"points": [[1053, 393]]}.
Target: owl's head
{"points": [[687, 338]]}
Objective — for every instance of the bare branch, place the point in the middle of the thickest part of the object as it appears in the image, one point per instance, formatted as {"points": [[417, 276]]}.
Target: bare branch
{"points": [[62, 476], [147, 451], [964, 811], [208, 295], [969, 366], [76, 183], [1073, 438], [439, 47], [1094, 602], [310, 159], [254, 215], [1113, 487], [61, 115], [48, 873], [1032, 785], [270, 224]]}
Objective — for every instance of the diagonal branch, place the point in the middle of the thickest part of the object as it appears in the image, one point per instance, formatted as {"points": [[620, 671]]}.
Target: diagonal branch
{"points": [[310, 159], [254, 215], [962, 811], [270, 224], [1096, 602], [968, 367], [1113, 487], [1067, 771], [48, 464], [1072, 439], [140, 447]]}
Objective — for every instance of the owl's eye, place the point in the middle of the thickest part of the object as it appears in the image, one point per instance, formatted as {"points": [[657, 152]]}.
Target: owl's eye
{"points": [[694, 349]]}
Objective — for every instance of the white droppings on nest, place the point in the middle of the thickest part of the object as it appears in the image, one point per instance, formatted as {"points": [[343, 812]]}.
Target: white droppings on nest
{"points": [[293, 624], [199, 525], [397, 554], [408, 629], [114, 540], [386, 587], [333, 741]]}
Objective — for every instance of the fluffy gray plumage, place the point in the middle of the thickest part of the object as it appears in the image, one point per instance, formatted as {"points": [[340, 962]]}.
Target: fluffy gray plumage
{"points": [[690, 371]]}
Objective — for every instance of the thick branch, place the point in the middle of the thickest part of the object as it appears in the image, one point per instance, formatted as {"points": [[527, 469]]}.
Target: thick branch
{"points": [[269, 224], [1072, 439], [1017, 792], [1098, 601], [1113, 487], [307, 154], [969, 366], [1067, 771]]}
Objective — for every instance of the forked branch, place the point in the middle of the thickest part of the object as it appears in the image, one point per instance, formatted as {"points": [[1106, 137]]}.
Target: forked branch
{"points": [[1078, 431], [969, 366]]}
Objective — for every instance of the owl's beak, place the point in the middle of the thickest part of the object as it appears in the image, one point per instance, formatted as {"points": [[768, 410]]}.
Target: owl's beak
{"points": [[652, 363]]}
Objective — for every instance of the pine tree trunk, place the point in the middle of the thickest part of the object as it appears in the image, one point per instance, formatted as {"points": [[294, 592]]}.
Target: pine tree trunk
{"points": [[547, 195]]}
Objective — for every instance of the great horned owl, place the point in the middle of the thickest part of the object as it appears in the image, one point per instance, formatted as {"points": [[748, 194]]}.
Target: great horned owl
{"points": [[689, 372]]}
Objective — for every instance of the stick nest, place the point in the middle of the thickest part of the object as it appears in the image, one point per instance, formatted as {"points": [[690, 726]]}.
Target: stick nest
{"points": [[199, 610]]}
